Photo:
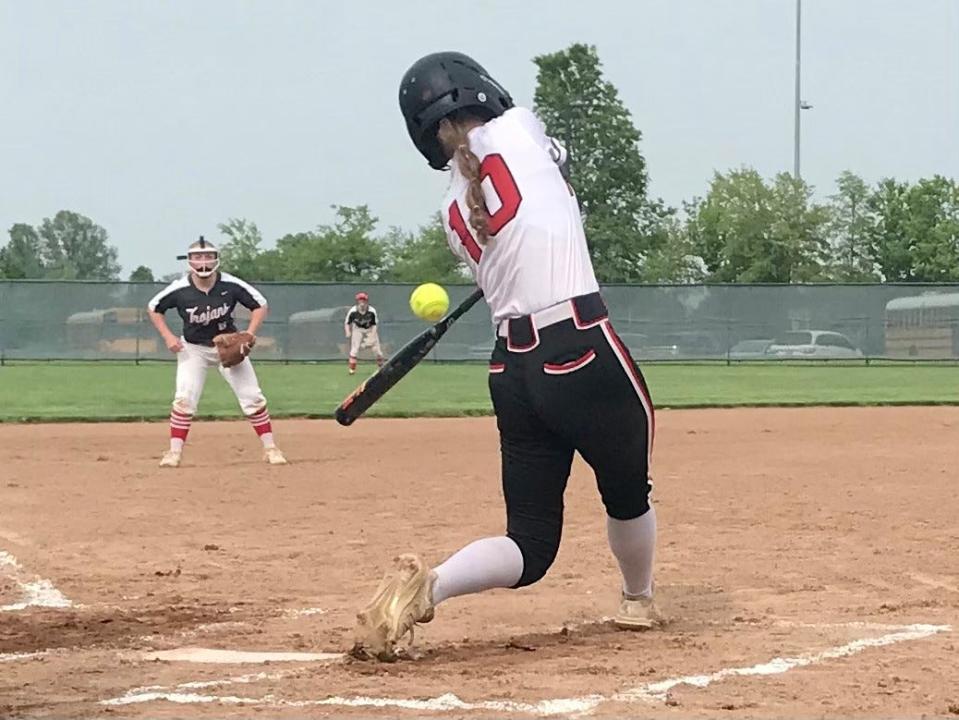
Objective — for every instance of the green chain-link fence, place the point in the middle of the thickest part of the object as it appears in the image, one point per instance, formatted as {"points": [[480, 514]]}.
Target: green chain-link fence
{"points": [[47, 320]]}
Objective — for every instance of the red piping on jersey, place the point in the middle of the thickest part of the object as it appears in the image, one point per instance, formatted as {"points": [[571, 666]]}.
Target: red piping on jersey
{"points": [[495, 368]]}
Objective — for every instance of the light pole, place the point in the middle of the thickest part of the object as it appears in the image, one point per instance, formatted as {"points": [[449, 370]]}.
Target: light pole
{"points": [[800, 105]]}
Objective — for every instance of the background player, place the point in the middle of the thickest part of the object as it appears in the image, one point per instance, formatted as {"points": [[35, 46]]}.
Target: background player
{"points": [[560, 379], [361, 330], [206, 299]]}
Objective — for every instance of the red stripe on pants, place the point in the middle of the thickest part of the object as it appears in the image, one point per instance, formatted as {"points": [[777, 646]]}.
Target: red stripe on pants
{"points": [[625, 359]]}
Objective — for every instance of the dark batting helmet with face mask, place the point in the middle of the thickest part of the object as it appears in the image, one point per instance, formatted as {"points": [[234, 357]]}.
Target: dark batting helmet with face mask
{"points": [[439, 85]]}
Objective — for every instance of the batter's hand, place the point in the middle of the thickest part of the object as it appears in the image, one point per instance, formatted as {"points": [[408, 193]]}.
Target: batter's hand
{"points": [[173, 344]]}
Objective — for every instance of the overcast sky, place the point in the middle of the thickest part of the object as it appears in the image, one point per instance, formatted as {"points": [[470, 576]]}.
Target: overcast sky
{"points": [[161, 119]]}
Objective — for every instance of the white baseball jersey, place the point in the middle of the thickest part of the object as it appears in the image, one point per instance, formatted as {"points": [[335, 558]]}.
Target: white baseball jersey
{"points": [[536, 255]]}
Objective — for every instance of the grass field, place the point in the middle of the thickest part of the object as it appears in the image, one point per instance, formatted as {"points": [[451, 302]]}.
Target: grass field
{"points": [[91, 391]]}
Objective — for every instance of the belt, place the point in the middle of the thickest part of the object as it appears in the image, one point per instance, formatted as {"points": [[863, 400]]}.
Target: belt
{"points": [[522, 333]]}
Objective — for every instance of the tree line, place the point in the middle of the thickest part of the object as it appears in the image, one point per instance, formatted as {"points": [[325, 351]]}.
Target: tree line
{"points": [[746, 228]]}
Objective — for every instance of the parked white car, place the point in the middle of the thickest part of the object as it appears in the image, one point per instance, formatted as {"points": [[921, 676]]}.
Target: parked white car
{"points": [[751, 349], [812, 344]]}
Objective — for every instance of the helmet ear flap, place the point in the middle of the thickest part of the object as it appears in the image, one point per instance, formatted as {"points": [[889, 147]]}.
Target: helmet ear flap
{"points": [[432, 149]]}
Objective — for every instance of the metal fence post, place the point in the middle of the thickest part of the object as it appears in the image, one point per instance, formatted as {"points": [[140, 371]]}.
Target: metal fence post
{"points": [[136, 354]]}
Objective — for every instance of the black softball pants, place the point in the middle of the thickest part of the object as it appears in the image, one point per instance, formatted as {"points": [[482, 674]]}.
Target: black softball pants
{"points": [[571, 386]]}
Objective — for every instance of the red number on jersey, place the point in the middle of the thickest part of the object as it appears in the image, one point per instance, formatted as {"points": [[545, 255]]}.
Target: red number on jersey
{"points": [[494, 168], [458, 224]]}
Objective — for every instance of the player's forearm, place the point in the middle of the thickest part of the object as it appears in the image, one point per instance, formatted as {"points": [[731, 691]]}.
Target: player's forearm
{"points": [[159, 322], [256, 319]]}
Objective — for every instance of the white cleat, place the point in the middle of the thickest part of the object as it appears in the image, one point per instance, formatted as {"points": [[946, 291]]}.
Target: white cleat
{"points": [[403, 599], [352, 371], [274, 456], [171, 458], [638, 613]]}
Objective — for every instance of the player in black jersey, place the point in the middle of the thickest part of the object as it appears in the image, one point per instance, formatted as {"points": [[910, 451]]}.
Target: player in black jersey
{"points": [[361, 330], [205, 300]]}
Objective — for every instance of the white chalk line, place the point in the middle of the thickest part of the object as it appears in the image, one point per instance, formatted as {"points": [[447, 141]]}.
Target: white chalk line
{"points": [[776, 666], [304, 612], [236, 657], [148, 691], [653, 692], [11, 657], [767, 622], [850, 625], [37, 592]]}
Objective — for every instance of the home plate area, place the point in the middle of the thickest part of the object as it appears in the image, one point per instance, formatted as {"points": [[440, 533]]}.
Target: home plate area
{"points": [[303, 682], [217, 661], [793, 583]]}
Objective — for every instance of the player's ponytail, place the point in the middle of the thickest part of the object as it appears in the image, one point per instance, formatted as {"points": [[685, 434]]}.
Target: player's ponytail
{"points": [[453, 136]]}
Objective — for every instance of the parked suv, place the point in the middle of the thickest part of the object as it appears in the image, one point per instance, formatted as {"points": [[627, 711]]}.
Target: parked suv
{"points": [[814, 344], [751, 349]]}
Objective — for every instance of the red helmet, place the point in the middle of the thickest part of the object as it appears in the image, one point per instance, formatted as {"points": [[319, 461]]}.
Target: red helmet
{"points": [[362, 296]]}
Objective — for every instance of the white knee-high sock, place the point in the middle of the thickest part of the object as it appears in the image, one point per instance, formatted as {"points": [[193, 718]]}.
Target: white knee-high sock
{"points": [[494, 562], [633, 542]]}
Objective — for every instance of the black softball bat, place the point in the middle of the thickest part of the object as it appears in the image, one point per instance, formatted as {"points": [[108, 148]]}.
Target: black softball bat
{"points": [[405, 359]]}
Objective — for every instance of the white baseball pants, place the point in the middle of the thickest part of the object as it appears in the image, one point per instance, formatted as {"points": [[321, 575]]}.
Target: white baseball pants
{"points": [[192, 364], [360, 338]]}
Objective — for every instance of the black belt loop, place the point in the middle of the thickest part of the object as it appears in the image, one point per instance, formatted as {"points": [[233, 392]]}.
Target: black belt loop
{"points": [[589, 310], [522, 334]]}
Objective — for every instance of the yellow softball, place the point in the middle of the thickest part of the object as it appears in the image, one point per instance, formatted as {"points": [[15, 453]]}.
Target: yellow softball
{"points": [[430, 302]]}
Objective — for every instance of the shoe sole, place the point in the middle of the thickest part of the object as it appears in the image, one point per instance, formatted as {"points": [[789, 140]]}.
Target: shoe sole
{"points": [[635, 625]]}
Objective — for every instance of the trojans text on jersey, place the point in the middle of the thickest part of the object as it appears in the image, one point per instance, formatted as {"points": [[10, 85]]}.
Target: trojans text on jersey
{"points": [[204, 317]]}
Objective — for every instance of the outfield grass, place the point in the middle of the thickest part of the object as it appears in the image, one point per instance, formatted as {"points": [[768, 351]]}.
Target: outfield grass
{"points": [[91, 391]]}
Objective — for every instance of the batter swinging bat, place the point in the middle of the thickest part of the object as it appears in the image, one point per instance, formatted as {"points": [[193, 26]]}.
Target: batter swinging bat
{"points": [[372, 389]]}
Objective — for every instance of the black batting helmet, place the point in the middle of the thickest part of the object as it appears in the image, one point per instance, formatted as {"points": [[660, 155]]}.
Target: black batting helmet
{"points": [[440, 84]]}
